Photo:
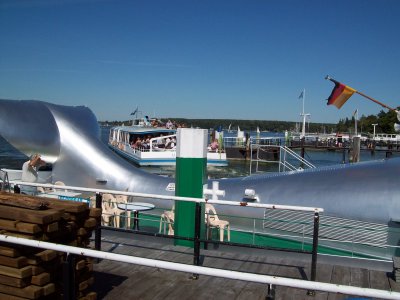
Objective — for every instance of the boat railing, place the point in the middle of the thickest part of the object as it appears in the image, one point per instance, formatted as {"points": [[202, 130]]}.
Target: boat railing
{"points": [[151, 147], [229, 142], [156, 141], [196, 270], [353, 234], [255, 140], [346, 232], [288, 160]]}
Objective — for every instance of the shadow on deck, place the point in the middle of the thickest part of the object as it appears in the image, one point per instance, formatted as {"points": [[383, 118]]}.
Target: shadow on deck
{"points": [[115, 280]]}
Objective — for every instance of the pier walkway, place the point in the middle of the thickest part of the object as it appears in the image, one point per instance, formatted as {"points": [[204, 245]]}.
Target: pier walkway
{"points": [[116, 280]]}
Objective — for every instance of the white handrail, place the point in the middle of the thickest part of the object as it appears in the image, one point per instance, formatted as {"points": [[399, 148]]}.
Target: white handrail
{"points": [[294, 154], [265, 279], [176, 198]]}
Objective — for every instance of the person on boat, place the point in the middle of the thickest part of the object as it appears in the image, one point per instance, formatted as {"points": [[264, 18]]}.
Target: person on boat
{"points": [[147, 121], [154, 123], [146, 142], [169, 124], [172, 144], [160, 141], [30, 173], [138, 143], [214, 145], [167, 143]]}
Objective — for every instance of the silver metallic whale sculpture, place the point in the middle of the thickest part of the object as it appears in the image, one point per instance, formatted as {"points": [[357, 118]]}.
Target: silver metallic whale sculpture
{"points": [[68, 137]]}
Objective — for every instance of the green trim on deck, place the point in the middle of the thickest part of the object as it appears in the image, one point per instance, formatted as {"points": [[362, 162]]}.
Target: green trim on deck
{"points": [[152, 223]]}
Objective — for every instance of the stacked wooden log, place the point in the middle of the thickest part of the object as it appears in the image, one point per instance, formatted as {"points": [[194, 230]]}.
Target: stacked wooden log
{"points": [[396, 268], [32, 273]]}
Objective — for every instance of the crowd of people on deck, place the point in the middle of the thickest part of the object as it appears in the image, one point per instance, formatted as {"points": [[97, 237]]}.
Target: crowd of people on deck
{"points": [[143, 143], [158, 123], [169, 125]]}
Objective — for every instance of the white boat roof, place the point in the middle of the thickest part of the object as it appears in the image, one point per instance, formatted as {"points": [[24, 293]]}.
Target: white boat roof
{"points": [[143, 130]]}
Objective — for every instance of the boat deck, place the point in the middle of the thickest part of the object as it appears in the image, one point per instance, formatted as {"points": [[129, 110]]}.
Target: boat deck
{"points": [[116, 280]]}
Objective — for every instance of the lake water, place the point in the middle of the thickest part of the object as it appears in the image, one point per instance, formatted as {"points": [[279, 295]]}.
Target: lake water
{"points": [[13, 159]]}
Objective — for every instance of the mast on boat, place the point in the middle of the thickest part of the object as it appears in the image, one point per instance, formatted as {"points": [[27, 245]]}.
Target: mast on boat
{"points": [[304, 115]]}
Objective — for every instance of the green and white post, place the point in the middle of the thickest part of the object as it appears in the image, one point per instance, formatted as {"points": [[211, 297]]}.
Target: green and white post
{"points": [[190, 177]]}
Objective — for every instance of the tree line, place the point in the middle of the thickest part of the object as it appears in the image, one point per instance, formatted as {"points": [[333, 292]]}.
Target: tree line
{"points": [[385, 124]]}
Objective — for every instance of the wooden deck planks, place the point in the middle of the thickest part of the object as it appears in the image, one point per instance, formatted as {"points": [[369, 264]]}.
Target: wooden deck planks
{"points": [[379, 280], [137, 282], [359, 277]]}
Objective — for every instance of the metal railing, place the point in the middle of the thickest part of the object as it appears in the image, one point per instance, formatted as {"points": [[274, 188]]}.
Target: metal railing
{"points": [[286, 160], [240, 141], [196, 270], [350, 239], [196, 239]]}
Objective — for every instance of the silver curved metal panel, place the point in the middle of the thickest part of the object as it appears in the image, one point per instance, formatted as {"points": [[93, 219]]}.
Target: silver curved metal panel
{"points": [[69, 137], [30, 127]]}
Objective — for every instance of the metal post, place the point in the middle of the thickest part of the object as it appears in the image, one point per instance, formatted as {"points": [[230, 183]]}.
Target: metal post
{"points": [[302, 151], [344, 154], [197, 228], [97, 231], [314, 251], [270, 292], [356, 149], [191, 175], [69, 277], [302, 141], [17, 190]]}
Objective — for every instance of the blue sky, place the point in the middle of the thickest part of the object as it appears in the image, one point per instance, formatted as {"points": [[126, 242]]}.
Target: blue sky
{"points": [[201, 59]]}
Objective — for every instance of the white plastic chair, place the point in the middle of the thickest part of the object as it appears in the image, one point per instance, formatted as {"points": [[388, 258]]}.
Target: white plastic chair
{"points": [[121, 199], [214, 222], [167, 218], [108, 209]]}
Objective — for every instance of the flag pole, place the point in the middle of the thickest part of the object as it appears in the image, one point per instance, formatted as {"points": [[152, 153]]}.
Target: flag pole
{"points": [[303, 130], [362, 94]]}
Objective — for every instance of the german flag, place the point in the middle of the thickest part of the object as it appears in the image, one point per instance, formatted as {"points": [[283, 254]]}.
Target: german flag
{"points": [[340, 94]]}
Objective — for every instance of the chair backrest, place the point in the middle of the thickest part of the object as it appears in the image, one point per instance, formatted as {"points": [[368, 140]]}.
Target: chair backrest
{"points": [[109, 202], [60, 183], [211, 212], [121, 199]]}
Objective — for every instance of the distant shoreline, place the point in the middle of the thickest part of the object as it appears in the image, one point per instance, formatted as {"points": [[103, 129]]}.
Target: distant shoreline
{"points": [[246, 125]]}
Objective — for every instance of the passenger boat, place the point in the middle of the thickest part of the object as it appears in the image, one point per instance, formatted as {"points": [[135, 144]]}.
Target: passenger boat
{"points": [[387, 138], [157, 144]]}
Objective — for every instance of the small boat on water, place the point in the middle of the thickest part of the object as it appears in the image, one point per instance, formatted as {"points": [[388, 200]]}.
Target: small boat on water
{"points": [[146, 143]]}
